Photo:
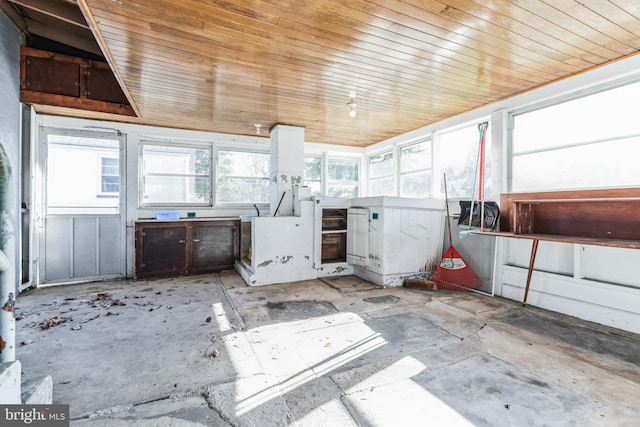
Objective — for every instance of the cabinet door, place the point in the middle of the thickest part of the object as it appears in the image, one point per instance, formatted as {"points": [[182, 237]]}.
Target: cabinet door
{"points": [[160, 251], [214, 248], [358, 236]]}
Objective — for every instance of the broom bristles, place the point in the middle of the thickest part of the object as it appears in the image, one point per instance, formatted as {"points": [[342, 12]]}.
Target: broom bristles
{"points": [[454, 273]]}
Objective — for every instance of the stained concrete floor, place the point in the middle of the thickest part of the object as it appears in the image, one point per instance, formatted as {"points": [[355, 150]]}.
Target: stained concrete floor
{"points": [[207, 350]]}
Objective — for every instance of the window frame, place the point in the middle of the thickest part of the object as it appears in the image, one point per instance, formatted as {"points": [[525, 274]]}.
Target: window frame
{"points": [[394, 168], [179, 144], [322, 179], [550, 103], [216, 176], [358, 181], [101, 191], [439, 167], [429, 168]]}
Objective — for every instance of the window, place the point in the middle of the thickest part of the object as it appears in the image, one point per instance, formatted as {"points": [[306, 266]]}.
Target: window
{"points": [[80, 170], [458, 157], [313, 174], [381, 174], [342, 177], [589, 142], [110, 178], [415, 170], [176, 175], [243, 177]]}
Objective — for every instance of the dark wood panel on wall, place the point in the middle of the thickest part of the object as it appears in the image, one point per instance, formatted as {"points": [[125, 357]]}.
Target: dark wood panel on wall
{"points": [[55, 77], [606, 214], [48, 78], [103, 86]]}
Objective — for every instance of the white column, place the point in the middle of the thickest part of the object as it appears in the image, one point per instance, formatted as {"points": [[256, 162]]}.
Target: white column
{"points": [[287, 166]]}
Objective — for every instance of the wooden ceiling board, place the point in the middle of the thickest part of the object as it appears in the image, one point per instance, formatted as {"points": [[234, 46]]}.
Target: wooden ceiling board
{"points": [[223, 65]]}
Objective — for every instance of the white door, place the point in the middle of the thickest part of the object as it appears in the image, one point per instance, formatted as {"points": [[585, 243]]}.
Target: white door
{"points": [[81, 228], [358, 236]]}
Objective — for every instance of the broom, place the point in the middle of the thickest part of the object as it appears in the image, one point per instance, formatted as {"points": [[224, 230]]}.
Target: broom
{"points": [[453, 273]]}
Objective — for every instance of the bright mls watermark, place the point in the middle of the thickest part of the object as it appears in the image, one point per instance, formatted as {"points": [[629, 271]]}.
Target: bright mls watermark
{"points": [[34, 415]]}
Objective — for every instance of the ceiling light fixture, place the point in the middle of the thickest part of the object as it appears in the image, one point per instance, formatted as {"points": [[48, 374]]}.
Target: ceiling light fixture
{"points": [[352, 108], [352, 104], [258, 126]]}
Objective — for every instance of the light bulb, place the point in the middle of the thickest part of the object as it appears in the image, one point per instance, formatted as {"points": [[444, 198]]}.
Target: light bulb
{"points": [[352, 108]]}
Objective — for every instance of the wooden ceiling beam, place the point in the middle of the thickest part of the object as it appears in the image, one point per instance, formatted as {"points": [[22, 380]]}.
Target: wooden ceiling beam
{"points": [[12, 14], [59, 9], [62, 35]]}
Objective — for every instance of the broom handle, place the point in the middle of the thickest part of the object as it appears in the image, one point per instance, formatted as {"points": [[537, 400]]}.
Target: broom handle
{"points": [[483, 134], [446, 202]]}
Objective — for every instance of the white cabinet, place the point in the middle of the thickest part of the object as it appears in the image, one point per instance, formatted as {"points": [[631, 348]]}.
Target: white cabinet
{"points": [[358, 236], [403, 237]]}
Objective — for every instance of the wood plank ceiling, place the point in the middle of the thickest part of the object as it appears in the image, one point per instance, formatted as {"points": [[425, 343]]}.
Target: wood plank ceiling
{"points": [[224, 65]]}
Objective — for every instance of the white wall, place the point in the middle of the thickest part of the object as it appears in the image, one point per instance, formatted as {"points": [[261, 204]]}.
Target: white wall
{"points": [[135, 133]]}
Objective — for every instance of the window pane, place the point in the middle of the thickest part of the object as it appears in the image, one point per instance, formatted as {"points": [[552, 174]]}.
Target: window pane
{"points": [[590, 142], [159, 159], [176, 189], [76, 177], [606, 164], [342, 180], [342, 189], [315, 186], [243, 190], [110, 180], [458, 158], [381, 165], [243, 177], [240, 163], [381, 187], [312, 168], [416, 184], [606, 115], [176, 175], [343, 169], [415, 170], [415, 157], [313, 174]]}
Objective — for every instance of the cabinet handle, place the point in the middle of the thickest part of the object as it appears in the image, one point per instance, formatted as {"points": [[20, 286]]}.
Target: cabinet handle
{"points": [[181, 241], [196, 240]]}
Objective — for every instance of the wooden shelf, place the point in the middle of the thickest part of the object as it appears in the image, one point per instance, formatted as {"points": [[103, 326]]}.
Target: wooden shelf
{"points": [[604, 217], [601, 217], [629, 244]]}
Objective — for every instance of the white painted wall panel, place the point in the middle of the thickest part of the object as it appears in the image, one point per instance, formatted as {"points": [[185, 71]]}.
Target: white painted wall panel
{"points": [[282, 248], [551, 256], [477, 251], [613, 265], [611, 305]]}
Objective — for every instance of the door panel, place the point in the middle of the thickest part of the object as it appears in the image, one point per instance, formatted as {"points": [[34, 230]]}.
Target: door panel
{"points": [[84, 243], [358, 236], [83, 236], [57, 255], [110, 249]]}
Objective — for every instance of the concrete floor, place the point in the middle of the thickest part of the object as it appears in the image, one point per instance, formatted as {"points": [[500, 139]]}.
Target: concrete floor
{"points": [[207, 350]]}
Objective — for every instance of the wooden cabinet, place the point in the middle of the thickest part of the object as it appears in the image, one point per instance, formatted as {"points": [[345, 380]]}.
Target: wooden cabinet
{"points": [[606, 217], [174, 248], [334, 235]]}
